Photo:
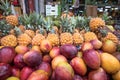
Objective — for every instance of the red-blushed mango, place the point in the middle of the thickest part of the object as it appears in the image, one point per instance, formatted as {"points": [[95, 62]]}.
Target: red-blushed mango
{"points": [[79, 66]]}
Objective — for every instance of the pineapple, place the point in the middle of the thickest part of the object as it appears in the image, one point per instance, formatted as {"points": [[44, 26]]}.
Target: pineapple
{"points": [[40, 32], [80, 24], [110, 36], [96, 23], [38, 37], [53, 36], [9, 40], [24, 39], [6, 38], [10, 18], [31, 33], [29, 25], [66, 30], [88, 36]]}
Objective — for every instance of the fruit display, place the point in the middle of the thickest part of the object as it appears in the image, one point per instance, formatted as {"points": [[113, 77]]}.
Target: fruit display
{"points": [[35, 47]]}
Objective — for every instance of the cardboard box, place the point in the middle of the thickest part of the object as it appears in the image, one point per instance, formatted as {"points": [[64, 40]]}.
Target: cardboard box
{"points": [[91, 10]]}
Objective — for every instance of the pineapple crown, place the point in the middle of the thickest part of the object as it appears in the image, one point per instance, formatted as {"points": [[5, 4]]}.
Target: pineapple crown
{"points": [[66, 24], [48, 23], [5, 7], [4, 28], [33, 21], [106, 18]]}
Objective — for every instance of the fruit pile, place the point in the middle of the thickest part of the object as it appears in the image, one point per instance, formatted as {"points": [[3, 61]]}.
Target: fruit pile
{"points": [[34, 47]]}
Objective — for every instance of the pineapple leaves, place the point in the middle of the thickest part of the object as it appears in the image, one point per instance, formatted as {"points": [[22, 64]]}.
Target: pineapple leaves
{"points": [[48, 23], [6, 7], [4, 28]]}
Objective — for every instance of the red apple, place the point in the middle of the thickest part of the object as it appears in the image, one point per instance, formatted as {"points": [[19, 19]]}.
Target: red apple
{"points": [[69, 51], [86, 46], [32, 58], [5, 71], [39, 75], [92, 59], [7, 54], [54, 52], [57, 60], [97, 44], [98, 74], [25, 73], [79, 66], [15, 72], [20, 49], [47, 58], [18, 61], [46, 67]]}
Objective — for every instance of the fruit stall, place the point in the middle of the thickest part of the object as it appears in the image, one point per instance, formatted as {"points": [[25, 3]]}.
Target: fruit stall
{"points": [[67, 47]]}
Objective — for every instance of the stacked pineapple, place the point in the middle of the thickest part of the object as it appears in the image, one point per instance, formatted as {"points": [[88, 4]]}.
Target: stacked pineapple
{"points": [[32, 29], [97, 25], [52, 36], [7, 24]]}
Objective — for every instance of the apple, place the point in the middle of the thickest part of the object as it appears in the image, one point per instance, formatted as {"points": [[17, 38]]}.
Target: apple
{"points": [[55, 51], [7, 54], [32, 58], [20, 49]]}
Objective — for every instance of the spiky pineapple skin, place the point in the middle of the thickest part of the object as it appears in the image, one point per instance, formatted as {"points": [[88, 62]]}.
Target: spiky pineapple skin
{"points": [[53, 38], [110, 36], [66, 38], [9, 40], [24, 39], [31, 33], [95, 23], [77, 38], [88, 36], [12, 20], [37, 39]]}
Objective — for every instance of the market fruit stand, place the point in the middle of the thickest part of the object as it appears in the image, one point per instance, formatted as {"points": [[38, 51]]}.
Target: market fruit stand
{"points": [[35, 47]]}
